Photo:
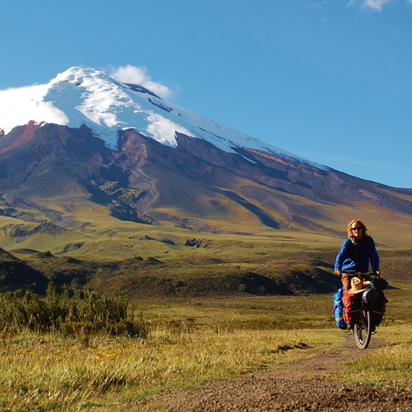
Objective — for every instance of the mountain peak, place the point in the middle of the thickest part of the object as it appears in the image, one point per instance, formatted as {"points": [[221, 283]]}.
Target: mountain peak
{"points": [[89, 96], [76, 74]]}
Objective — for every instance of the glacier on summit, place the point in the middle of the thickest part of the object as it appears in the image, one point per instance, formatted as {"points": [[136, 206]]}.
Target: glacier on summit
{"points": [[88, 96]]}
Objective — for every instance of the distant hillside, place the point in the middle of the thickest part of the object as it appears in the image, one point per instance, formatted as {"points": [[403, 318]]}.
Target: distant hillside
{"points": [[288, 273], [15, 274]]}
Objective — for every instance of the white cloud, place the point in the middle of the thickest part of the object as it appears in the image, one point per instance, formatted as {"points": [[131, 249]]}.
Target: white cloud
{"points": [[140, 76], [316, 5], [20, 105], [374, 5]]}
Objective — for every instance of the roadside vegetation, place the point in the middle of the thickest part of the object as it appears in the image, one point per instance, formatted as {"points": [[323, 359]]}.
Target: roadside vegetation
{"points": [[390, 366], [68, 352], [83, 312], [175, 344], [52, 372], [122, 332]]}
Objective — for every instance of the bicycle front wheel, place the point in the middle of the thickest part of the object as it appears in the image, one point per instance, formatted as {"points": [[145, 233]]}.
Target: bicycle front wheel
{"points": [[363, 330]]}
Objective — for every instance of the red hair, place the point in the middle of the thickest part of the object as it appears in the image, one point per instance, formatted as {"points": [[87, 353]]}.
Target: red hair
{"points": [[358, 222]]}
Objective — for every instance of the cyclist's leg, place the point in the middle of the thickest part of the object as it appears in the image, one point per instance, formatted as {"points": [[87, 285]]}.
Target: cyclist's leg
{"points": [[346, 278], [365, 277], [346, 283]]}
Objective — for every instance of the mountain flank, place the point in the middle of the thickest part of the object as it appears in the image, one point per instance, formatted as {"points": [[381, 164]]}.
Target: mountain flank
{"points": [[98, 156]]}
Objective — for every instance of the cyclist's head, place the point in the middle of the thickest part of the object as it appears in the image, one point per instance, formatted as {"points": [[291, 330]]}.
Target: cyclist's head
{"points": [[357, 224]]}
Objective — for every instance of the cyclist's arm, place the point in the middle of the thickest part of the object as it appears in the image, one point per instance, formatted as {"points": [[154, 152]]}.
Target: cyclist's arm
{"points": [[374, 257], [341, 256]]}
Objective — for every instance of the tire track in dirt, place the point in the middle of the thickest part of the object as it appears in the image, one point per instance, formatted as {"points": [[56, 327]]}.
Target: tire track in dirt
{"points": [[305, 386]]}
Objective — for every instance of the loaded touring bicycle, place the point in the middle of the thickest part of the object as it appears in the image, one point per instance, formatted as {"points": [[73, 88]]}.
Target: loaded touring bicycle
{"points": [[362, 308]]}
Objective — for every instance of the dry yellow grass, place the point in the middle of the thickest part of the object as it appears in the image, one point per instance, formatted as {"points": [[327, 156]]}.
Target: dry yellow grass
{"points": [[51, 373], [43, 372]]}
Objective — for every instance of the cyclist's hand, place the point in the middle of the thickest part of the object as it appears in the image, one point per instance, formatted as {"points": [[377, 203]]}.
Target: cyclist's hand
{"points": [[338, 272]]}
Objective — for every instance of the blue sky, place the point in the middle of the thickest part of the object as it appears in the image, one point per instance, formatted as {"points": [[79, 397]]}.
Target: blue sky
{"points": [[330, 81]]}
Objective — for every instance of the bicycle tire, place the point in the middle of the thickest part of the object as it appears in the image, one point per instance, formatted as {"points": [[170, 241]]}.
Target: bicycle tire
{"points": [[363, 330]]}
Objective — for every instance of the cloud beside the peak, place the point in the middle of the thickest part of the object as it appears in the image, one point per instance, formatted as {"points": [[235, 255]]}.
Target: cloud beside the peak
{"points": [[140, 76]]}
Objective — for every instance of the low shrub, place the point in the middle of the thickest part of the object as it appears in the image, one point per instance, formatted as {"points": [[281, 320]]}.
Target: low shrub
{"points": [[83, 313]]}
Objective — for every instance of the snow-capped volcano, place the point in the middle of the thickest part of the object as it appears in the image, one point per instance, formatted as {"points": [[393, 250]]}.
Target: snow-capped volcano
{"points": [[85, 144], [88, 96]]}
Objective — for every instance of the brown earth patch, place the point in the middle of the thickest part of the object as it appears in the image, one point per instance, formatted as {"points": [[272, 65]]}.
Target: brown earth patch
{"points": [[309, 385]]}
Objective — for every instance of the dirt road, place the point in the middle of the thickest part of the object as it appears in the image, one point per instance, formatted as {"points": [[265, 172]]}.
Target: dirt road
{"points": [[301, 387]]}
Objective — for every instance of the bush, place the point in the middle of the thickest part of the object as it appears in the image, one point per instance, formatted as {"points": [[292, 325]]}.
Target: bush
{"points": [[84, 312]]}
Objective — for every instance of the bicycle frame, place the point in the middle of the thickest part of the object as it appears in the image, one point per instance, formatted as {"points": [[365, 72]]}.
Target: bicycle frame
{"points": [[363, 328]]}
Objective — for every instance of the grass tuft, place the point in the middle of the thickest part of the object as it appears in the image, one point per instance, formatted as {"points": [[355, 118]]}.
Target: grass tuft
{"points": [[387, 366]]}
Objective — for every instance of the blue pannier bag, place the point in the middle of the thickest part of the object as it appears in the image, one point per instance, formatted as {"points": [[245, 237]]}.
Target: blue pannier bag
{"points": [[338, 309]]}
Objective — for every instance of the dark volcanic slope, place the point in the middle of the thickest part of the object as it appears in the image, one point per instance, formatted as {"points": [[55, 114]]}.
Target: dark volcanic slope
{"points": [[195, 180]]}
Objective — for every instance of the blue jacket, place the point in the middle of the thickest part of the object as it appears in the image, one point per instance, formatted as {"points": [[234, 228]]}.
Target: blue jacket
{"points": [[356, 258]]}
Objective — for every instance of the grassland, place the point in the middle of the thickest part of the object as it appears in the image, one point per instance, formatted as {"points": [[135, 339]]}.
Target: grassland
{"points": [[210, 268], [92, 233], [242, 257], [192, 341], [48, 373], [215, 305]]}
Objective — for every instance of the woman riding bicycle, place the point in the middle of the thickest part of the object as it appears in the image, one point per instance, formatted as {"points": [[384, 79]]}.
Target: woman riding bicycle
{"points": [[357, 251]]}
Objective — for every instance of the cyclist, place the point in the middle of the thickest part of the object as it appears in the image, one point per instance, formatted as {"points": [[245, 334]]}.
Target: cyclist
{"points": [[357, 251]]}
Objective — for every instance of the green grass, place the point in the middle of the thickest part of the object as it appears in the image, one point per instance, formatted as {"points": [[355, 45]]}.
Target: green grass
{"points": [[190, 342], [230, 313], [232, 267], [207, 272], [210, 314], [399, 308], [388, 366]]}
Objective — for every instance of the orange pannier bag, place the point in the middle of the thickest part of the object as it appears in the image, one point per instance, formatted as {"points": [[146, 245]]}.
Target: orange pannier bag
{"points": [[352, 307]]}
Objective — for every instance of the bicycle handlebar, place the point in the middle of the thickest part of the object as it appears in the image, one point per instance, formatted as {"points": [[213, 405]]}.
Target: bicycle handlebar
{"points": [[366, 273]]}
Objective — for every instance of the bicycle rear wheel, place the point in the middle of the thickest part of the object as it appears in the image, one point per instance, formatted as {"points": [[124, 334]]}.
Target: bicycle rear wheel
{"points": [[363, 330]]}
